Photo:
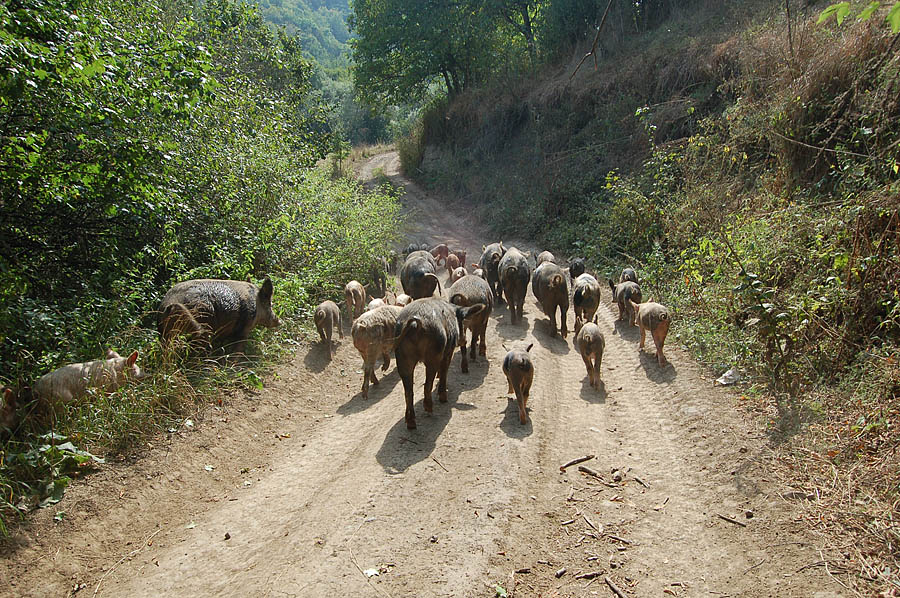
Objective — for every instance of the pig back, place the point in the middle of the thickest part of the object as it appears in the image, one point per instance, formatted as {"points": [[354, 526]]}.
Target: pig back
{"points": [[514, 270], [471, 290], [427, 330], [549, 285], [414, 275], [226, 307]]}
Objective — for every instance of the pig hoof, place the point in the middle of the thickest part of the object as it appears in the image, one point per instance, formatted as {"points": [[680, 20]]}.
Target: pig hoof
{"points": [[410, 425], [465, 369], [442, 397]]}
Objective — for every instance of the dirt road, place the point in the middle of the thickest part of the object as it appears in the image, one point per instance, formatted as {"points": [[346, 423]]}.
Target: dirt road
{"points": [[309, 490]]}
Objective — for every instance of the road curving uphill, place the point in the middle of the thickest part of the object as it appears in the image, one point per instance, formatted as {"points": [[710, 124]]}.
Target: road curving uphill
{"points": [[315, 491]]}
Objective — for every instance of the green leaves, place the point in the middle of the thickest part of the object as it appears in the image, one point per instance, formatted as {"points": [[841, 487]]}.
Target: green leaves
{"points": [[840, 11]]}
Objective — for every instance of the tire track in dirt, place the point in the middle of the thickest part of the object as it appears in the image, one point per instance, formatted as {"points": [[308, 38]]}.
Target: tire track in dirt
{"points": [[458, 505]]}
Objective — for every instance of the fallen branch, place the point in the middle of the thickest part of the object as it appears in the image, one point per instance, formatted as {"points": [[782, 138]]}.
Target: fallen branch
{"points": [[575, 462], [730, 520], [614, 588], [593, 473]]}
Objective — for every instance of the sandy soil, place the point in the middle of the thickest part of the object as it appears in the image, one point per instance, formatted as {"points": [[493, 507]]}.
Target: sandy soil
{"points": [[309, 490]]}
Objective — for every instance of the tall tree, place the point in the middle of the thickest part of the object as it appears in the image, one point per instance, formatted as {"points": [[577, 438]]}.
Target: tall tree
{"points": [[403, 46]]}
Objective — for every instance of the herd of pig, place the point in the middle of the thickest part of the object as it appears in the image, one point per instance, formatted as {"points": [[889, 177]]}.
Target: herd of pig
{"points": [[415, 325], [421, 328]]}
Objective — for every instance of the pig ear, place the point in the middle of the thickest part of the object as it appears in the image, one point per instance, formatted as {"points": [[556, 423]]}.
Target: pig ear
{"points": [[131, 359], [265, 293]]}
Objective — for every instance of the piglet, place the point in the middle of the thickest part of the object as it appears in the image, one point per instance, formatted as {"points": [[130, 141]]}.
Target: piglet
{"points": [[71, 383], [655, 318], [519, 372]]}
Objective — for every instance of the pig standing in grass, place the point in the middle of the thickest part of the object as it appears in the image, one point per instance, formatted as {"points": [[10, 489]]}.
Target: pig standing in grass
{"points": [[625, 294], [514, 273], [549, 287], [216, 311], [490, 264], [467, 291], [354, 298], [418, 276], [428, 331], [585, 299], [328, 317], [519, 372], [655, 318], [373, 335], [590, 342], [72, 382]]}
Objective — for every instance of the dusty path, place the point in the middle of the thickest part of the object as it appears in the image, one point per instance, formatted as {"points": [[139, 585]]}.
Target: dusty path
{"points": [[314, 486]]}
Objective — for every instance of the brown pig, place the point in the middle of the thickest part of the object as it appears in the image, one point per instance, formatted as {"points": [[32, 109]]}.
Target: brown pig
{"points": [[655, 318], [373, 335], [440, 252], [545, 256], [585, 299], [625, 294], [590, 343], [452, 262], [514, 273], [471, 290], [519, 372], [550, 289], [456, 274], [354, 298], [427, 331], [418, 275], [328, 317]]}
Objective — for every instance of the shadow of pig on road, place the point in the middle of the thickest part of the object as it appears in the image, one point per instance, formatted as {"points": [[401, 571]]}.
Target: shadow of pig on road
{"points": [[655, 372], [555, 344], [510, 424], [478, 371], [376, 393], [626, 331], [404, 448], [318, 357], [593, 395], [509, 331]]}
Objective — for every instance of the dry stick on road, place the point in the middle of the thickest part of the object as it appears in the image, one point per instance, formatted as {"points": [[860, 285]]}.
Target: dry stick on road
{"points": [[593, 473], [441, 464], [614, 588], [575, 462], [730, 520]]}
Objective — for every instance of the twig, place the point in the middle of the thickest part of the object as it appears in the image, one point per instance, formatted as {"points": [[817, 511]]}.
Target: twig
{"points": [[593, 45], [614, 588], [576, 462], [590, 575], [730, 520], [640, 481], [121, 560], [441, 464], [591, 523], [755, 566], [358, 568], [593, 473], [618, 539]]}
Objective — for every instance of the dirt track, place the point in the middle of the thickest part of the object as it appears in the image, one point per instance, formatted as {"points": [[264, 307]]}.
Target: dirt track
{"points": [[315, 485]]}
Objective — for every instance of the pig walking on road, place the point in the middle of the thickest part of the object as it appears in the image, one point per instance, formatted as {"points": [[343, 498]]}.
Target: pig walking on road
{"points": [[373, 335], [418, 275], [328, 317], [519, 372], [354, 298], [490, 265], [467, 291], [428, 331], [628, 275], [625, 294], [216, 311], [585, 299], [514, 273], [590, 342], [549, 287], [655, 318]]}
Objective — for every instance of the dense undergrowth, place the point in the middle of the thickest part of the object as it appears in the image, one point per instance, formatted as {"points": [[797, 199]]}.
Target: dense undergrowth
{"points": [[144, 144], [752, 177]]}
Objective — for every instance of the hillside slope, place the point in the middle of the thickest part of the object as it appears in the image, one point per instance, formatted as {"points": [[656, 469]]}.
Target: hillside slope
{"points": [[750, 172]]}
